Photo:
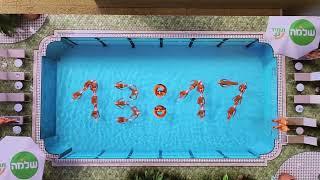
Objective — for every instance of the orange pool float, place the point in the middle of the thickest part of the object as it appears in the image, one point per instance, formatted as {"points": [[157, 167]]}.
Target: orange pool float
{"points": [[160, 111], [160, 90]]}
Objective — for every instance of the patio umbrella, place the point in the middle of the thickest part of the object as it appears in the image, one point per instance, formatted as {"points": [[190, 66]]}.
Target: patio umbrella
{"points": [[20, 158], [293, 36]]}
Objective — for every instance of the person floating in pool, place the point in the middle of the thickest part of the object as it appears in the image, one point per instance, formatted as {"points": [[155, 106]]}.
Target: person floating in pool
{"points": [[200, 87], [202, 112], [120, 85], [243, 88], [95, 113], [122, 120], [134, 92], [121, 103], [201, 100], [94, 86], [4, 120], [160, 111], [194, 84], [135, 112], [78, 94], [237, 99], [184, 93], [132, 88], [226, 83], [160, 90], [231, 112]]}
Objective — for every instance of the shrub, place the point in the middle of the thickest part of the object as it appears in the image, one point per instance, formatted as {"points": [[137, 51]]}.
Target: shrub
{"points": [[9, 23]]}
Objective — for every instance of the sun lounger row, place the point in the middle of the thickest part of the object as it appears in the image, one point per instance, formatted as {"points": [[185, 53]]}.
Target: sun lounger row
{"points": [[302, 121], [293, 139], [13, 76], [307, 99], [12, 53], [314, 76], [12, 97]]}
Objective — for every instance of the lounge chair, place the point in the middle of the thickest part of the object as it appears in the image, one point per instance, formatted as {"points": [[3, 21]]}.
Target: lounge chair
{"points": [[302, 121], [12, 53], [12, 97], [19, 119], [292, 139], [307, 99], [15, 76], [314, 76]]}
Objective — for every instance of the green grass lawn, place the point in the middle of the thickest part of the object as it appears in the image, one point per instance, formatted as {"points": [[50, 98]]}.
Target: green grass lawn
{"points": [[156, 23]]}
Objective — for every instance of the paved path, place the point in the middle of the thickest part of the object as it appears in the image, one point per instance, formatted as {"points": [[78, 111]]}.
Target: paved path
{"points": [[303, 166]]}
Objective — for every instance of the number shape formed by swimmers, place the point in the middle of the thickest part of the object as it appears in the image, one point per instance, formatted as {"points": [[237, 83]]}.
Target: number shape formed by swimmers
{"points": [[93, 85], [121, 103], [201, 100]]}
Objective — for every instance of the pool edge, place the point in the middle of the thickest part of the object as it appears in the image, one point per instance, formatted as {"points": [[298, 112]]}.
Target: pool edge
{"points": [[262, 161]]}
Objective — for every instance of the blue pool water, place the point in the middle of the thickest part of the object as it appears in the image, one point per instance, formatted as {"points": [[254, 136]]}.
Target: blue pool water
{"points": [[181, 134]]}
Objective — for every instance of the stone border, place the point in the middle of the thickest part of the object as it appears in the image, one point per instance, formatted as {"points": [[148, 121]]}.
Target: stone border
{"points": [[25, 30], [262, 161]]}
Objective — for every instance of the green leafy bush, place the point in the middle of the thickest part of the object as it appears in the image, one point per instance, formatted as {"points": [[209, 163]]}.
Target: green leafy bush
{"points": [[9, 23]]}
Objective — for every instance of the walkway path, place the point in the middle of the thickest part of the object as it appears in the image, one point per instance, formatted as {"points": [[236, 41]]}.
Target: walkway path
{"points": [[303, 166]]}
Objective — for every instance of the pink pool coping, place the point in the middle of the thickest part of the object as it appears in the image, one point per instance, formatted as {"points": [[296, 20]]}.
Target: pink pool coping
{"points": [[262, 161]]}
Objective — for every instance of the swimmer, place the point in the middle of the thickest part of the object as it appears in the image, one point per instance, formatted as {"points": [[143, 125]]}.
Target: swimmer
{"points": [[4, 120], [202, 112], [237, 99], [95, 113], [134, 92], [183, 94], [201, 100], [200, 87], [78, 94], [281, 120], [159, 111], [194, 84], [231, 111], [225, 83], [122, 120], [94, 86], [121, 103], [243, 87], [160, 90], [135, 112], [121, 85], [94, 99]]}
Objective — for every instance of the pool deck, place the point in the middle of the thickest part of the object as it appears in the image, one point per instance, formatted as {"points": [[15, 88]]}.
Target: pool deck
{"points": [[262, 161]]}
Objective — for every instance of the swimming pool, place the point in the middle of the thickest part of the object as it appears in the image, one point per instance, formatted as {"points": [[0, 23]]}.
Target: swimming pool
{"points": [[69, 132]]}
